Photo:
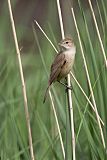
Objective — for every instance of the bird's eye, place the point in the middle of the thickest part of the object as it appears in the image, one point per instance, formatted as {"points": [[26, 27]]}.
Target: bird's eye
{"points": [[67, 42]]}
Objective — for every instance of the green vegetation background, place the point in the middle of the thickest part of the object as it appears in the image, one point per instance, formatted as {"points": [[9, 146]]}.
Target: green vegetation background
{"points": [[13, 131]]}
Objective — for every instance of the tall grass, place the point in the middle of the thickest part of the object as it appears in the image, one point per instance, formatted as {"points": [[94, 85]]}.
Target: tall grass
{"points": [[14, 143]]}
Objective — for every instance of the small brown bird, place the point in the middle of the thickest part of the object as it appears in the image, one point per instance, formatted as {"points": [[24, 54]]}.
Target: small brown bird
{"points": [[63, 62]]}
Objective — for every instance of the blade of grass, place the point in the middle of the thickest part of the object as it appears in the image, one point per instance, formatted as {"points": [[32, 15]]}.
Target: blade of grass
{"points": [[95, 64], [88, 102], [88, 78]]}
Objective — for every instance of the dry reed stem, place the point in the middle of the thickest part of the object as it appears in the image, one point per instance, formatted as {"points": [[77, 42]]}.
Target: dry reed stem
{"points": [[22, 80], [98, 33], [88, 78], [45, 35], [69, 96], [70, 72]]}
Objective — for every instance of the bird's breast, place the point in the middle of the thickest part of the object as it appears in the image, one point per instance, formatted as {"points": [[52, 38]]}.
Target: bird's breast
{"points": [[68, 63], [70, 56]]}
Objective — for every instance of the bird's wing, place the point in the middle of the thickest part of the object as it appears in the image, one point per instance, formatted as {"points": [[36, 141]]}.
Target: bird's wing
{"points": [[56, 67]]}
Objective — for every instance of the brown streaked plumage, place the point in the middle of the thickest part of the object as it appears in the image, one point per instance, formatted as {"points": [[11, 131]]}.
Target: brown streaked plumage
{"points": [[63, 62]]}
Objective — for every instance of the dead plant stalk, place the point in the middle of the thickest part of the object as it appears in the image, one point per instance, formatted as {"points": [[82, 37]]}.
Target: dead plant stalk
{"points": [[22, 81]]}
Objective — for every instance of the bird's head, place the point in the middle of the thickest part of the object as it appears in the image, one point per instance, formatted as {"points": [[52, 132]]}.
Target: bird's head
{"points": [[66, 43]]}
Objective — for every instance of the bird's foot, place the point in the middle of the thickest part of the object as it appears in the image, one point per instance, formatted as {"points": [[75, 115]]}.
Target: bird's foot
{"points": [[67, 87]]}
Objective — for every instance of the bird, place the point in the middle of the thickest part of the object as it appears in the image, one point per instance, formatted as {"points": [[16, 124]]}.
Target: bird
{"points": [[62, 64]]}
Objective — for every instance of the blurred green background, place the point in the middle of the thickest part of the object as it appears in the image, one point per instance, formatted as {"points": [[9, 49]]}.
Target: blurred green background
{"points": [[13, 131]]}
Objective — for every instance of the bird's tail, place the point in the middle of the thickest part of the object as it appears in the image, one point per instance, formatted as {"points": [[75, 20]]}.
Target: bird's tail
{"points": [[45, 96]]}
